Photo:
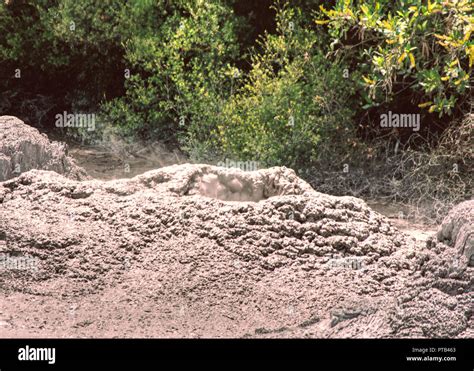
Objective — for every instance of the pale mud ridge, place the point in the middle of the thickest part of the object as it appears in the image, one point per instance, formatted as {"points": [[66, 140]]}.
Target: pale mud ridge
{"points": [[457, 230], [202, 251], [23, 148], [152, 256]]}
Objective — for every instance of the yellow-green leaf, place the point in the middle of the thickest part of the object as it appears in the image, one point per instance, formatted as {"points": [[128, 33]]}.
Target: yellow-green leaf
{"points": [[441, 37], [368, 81], [454, 63], [467, 36], [425, 104], [412, 60], [402, 57], [470, 53]]}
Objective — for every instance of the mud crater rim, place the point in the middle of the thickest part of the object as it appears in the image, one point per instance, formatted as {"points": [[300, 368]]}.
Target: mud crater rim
{"points": [[235, 186]]}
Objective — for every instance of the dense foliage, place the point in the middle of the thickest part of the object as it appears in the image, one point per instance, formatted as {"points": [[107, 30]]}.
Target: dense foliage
{"points": [[66, 54], [279, 82], [421, 49], [180, 69], [292, 107]]}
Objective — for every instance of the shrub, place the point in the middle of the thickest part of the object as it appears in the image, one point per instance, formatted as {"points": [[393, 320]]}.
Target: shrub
{"points": [[416, 48], [69, 54], [294, 106], [181, 67]]}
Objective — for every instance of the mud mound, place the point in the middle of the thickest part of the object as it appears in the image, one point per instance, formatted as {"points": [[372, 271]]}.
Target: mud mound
{"points": [[197, 250], [23, 148], [457, 230]]}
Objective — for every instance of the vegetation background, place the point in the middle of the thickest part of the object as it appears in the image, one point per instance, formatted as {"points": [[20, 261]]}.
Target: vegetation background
{"points": [[286, 83]]}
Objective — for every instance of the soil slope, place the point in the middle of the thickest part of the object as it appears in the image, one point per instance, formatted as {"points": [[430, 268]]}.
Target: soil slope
{"points": [[202, 251]]}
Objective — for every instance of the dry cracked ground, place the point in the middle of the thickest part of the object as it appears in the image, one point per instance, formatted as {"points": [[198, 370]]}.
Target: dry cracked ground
{"points": [[203, 251]]}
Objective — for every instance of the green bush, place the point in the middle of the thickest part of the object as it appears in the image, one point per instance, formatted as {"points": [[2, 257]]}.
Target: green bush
{"points": [[168, 70], [93, 33], [293, 108], [180, 61], [69, 54], [416, 48], [26, 35]]}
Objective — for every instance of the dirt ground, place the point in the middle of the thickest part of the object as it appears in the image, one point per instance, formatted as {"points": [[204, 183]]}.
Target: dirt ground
{"points": [[115, 312]]}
